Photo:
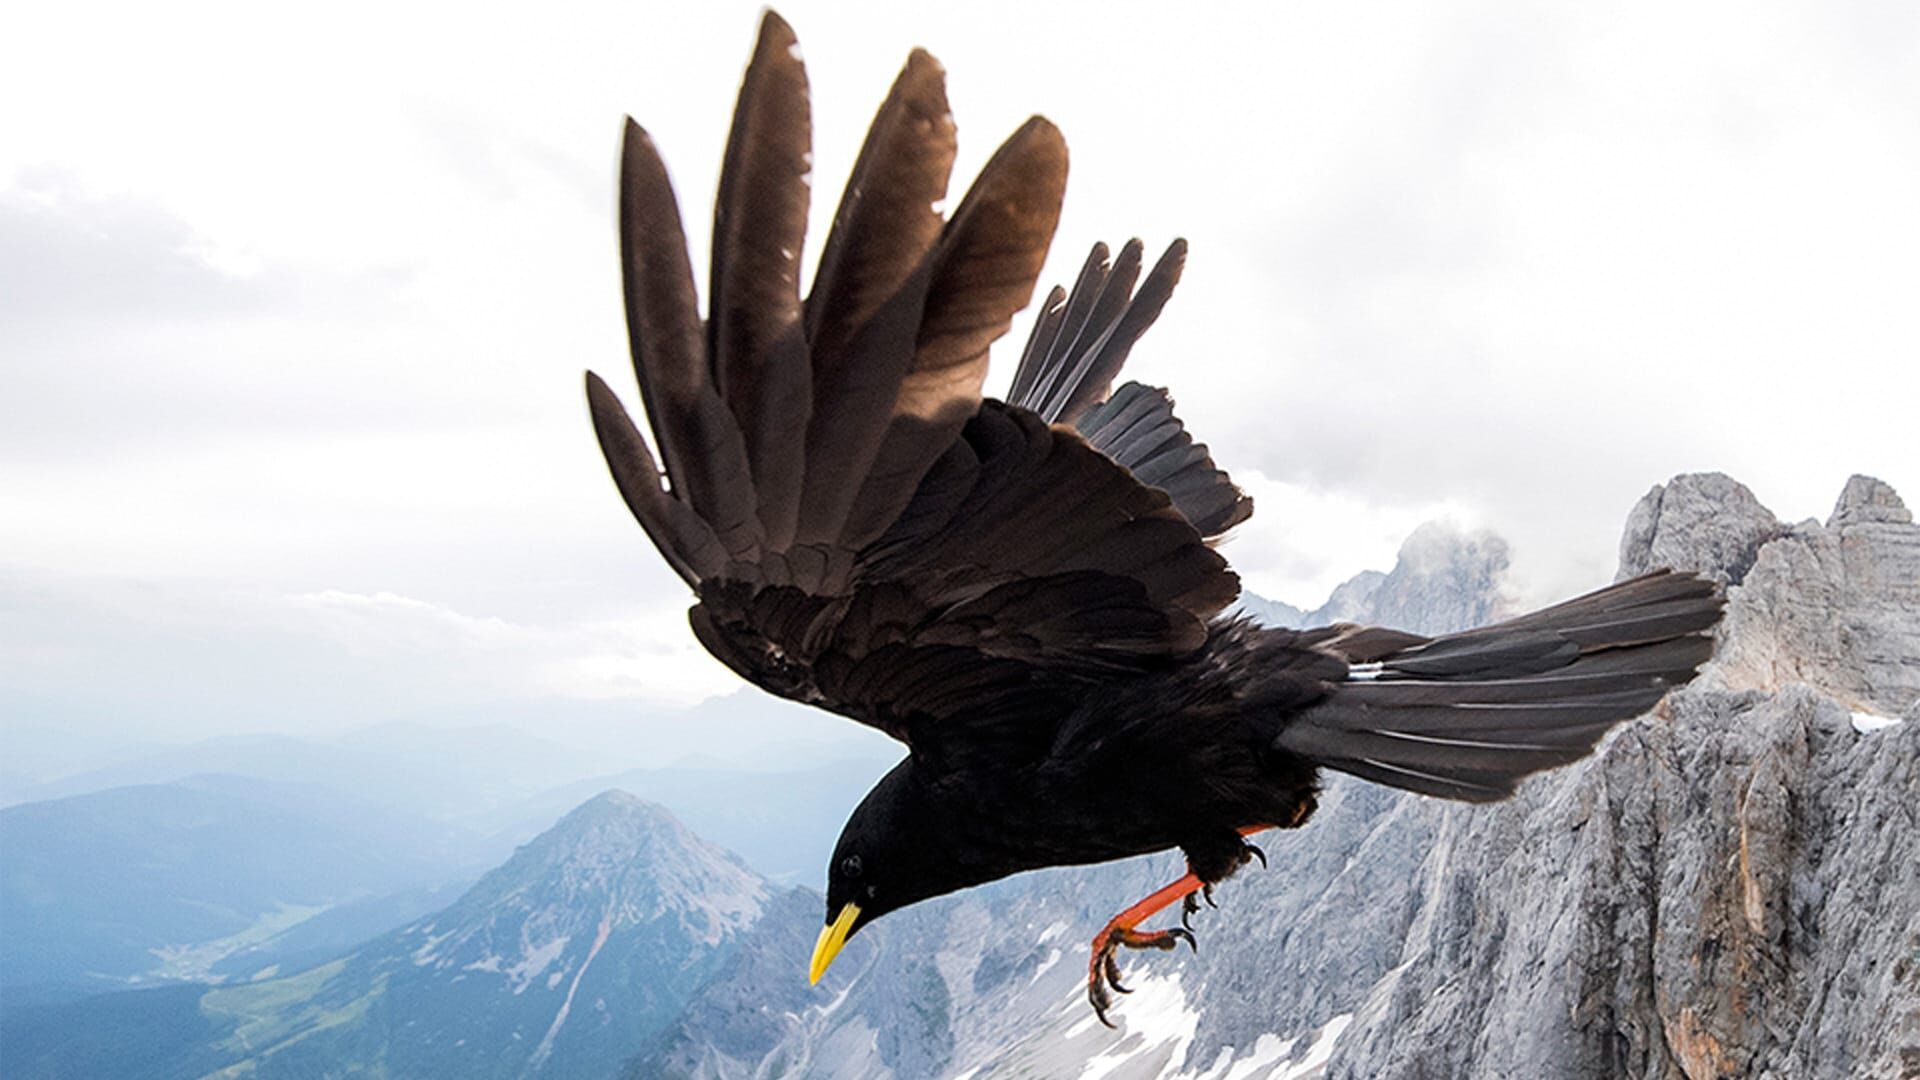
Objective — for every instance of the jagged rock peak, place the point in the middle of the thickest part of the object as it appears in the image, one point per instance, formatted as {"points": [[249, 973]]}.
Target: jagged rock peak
{"points": [[1447, 577], [1270, 612], [1707, 522], [1866, 499], [1836, 607], [1350, 599]]}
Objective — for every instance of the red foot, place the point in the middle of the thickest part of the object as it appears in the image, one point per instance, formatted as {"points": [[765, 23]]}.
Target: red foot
{"points": [[1103, 971]]}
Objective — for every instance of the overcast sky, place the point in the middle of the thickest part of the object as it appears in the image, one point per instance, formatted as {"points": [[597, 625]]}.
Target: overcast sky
{"points": [[294, 302]]}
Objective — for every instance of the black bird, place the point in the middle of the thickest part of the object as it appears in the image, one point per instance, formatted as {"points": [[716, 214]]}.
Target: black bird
{"points": [[1026, 592]]}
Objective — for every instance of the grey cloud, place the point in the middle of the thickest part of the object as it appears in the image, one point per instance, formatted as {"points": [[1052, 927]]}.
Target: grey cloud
{"points": [[83, 261]]}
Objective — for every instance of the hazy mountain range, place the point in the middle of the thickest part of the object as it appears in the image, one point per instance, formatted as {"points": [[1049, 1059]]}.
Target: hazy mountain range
{"points": [[1731, 886]]}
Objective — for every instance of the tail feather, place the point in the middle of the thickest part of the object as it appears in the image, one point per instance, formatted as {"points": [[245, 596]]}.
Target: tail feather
{"points": [[1467, 716]]}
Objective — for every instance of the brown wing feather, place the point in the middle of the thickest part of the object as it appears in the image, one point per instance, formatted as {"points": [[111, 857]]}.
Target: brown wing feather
{"points": [[681, 535], [1137, 428], [699, 442], [863, 314], [755, 336], [1094, 374], [1114, 299], [983, 271], [1066, 373], [952, 571], [1044, 362]]}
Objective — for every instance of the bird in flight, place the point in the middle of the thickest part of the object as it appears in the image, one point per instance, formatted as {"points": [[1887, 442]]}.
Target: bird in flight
{"points": [[1025, 592]]}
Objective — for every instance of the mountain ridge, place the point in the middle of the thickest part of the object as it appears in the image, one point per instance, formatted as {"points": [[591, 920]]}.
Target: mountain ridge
{"points": [[1728, 887]]}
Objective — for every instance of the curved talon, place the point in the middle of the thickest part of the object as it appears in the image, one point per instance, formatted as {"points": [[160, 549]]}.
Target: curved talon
{"points": [[1097, 997], [1206, 891], [1249, 849], [1103, 970]]}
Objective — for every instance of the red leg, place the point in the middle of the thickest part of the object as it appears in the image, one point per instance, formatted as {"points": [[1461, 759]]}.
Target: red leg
{"points": [[1121, 930]]}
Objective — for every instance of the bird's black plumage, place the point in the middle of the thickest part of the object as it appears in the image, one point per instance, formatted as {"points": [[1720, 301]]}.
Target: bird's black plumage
{"points": [[1025, 593]]}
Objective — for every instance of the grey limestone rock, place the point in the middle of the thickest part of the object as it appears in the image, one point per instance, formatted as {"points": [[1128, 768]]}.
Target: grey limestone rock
{"points": [[1269, 612], [1445, 579], [1349, 601], [1834, 606], [1866, 499], [1697, 521], [1732, 886], [1728, 889]]}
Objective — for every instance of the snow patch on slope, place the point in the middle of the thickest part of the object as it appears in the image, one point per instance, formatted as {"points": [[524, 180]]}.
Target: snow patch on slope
{"points": [[1156, 1021], [1866, 723], [1268, 1059]]}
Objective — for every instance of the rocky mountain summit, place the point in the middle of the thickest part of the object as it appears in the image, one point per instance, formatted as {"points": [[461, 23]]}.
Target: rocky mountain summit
{"points": [[1731, 886], [1444, 578]]}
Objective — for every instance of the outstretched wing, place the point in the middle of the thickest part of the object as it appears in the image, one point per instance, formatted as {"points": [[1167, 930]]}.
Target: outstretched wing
{"points": [[1078, 346], [863, 532]]}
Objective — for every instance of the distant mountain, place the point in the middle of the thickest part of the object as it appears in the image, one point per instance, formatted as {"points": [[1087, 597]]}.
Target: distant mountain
{"points": [[449, 773], [1444, 578], [1269, 612], [562, 962], [784, 824], [167, 881]]}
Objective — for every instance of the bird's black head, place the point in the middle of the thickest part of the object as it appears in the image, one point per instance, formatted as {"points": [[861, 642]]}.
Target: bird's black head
{"points": [[896, 849]]}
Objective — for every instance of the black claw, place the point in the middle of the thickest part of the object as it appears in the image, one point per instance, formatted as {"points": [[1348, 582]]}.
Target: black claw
{"points": [[1188, 905], [1207, 892], [1097, 997], [1256, 853], [1104, 970]]}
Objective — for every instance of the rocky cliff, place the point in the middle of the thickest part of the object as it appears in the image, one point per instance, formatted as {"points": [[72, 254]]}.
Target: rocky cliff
{"points": [[1730, 887]]}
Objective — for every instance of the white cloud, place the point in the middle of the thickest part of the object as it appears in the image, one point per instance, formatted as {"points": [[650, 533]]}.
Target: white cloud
{"points": [[1302, 541], [1504, 262], [177, 658], [650, 657]]}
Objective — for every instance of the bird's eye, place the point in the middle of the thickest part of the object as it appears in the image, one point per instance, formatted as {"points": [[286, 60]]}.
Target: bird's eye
{"points": [[850, 866]]}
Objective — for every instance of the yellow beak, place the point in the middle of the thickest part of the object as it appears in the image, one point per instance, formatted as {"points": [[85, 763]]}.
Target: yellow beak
{"points": [[832, 937]]}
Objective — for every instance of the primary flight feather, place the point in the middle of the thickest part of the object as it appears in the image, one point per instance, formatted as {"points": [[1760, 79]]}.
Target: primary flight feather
{"points": [[1025, 593]]}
